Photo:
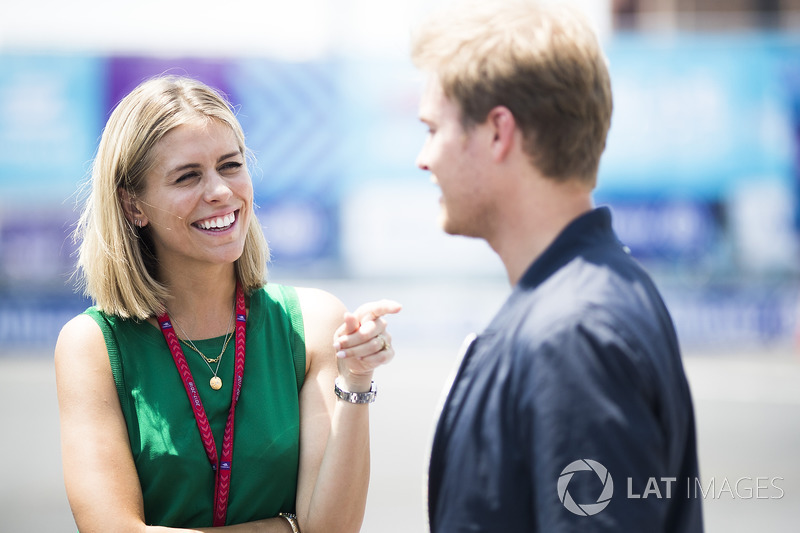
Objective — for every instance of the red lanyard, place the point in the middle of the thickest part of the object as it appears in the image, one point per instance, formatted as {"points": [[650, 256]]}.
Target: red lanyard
{"points": [[221, 466]]}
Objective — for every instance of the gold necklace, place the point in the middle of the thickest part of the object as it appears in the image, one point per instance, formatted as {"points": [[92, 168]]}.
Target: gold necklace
{"points": [[191, 345], [215, 381]]}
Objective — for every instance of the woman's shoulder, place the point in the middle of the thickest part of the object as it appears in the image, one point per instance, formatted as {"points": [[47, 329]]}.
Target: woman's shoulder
{"points": [[319, 303], [319, 296], [96, 332], [322, 314], [81, 343], [83, 326], [315, 303]]}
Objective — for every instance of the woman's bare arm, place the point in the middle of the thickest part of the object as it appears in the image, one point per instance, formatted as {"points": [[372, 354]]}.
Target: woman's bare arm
{"points": [[334, 434]]}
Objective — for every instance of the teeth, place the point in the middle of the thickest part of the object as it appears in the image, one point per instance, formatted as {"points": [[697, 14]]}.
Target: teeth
{"points": [[217, 223]]}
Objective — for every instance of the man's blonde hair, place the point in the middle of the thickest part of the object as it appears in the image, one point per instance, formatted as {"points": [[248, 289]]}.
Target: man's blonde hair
{"points": [[117, 265], [543, 62]]}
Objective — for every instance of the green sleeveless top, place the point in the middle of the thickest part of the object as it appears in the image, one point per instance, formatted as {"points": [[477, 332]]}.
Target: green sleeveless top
{"points": [[176, 478]]}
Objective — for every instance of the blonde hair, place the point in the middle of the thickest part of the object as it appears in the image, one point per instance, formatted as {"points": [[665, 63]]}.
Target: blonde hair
{"points": [[116, 259], [544, 63]]}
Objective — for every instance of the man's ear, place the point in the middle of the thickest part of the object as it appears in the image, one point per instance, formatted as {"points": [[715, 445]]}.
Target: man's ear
{"points": [[504, 126], [131, 208]]}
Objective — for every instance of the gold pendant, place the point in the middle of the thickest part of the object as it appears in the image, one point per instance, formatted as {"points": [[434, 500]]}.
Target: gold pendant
{"points": [[215, 383]]}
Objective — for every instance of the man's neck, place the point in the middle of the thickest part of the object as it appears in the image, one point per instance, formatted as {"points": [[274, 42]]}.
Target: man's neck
{"points": [[533, 219]]}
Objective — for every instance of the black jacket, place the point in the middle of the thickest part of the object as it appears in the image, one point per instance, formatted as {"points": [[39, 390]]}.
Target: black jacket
{"points": [[571, 404]]}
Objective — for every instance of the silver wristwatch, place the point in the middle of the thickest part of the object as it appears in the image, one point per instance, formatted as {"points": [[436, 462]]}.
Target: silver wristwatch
{"points": [[356, 397]]}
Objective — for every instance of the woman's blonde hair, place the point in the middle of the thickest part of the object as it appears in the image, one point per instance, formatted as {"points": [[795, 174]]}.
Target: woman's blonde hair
{"points": [[544, 63], [116, 260]]}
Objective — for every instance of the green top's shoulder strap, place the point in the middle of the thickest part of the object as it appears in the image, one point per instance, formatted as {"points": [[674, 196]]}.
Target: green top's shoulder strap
{"points": [[291, 302], [107, 327]]}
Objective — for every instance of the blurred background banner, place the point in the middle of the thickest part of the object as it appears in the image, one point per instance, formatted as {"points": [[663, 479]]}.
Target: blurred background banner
{"points": [[696, 115], [51, 113], [701, 170]]}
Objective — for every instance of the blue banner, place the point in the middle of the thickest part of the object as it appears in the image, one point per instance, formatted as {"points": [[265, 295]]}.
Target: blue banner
{"points": [[695, 114], [50, 120]]}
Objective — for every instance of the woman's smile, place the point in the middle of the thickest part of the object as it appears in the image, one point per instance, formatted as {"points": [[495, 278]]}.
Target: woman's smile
{"points": [[217, 223]]}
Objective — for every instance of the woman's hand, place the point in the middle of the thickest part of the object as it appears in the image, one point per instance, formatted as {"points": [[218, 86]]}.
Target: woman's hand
{"points": [[362, 343]]}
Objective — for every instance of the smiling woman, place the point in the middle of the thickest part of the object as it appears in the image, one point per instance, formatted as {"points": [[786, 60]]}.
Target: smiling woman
{"points": [[169, 245], [158, 148], [197, 198]]}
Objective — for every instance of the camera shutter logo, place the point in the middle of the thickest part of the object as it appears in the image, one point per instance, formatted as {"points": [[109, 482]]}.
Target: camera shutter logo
{"points": [[585, 509]]}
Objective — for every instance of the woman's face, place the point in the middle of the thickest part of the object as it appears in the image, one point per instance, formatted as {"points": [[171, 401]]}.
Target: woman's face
{"points": [[198, 197]]}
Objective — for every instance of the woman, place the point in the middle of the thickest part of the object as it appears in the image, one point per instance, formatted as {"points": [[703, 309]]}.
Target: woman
{"points": [[193, 394]]}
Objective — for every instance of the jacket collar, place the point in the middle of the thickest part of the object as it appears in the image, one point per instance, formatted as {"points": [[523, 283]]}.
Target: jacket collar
{"points": [[590, 228]]}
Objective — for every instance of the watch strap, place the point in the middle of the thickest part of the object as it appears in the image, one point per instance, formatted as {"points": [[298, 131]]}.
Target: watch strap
{"points": [[356, 397]]}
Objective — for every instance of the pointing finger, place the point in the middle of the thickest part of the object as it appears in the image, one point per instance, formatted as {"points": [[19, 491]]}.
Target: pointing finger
{"points": [[372, 311]]}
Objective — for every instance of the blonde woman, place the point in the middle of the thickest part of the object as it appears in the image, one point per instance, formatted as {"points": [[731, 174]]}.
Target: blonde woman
{"points": [[194, 395]]}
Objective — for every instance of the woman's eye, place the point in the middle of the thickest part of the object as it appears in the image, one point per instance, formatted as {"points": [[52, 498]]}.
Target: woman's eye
{"points": [[186, 177], [231, 166]]}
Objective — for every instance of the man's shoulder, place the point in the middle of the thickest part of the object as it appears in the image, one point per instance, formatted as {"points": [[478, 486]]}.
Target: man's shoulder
{"points": [[599, 285]]}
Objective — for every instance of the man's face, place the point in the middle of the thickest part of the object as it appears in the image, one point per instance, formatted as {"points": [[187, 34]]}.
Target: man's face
{"points": [[456, 159]]}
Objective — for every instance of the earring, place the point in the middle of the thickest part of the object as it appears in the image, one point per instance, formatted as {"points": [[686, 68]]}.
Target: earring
{"points": [[137, 223]]}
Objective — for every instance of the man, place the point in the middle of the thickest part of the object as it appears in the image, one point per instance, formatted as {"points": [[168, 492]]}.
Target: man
{"points": [[576, 391]]}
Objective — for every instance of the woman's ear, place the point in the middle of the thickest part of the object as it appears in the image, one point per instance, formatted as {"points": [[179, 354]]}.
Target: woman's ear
{"points": [[131, 209]]}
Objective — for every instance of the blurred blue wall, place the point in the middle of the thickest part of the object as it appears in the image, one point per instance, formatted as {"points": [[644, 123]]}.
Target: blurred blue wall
{"points": [[701, 168]]}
